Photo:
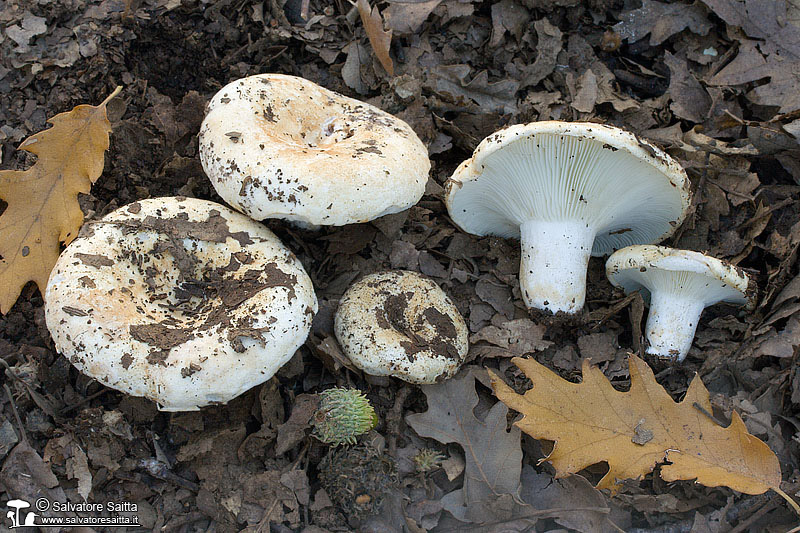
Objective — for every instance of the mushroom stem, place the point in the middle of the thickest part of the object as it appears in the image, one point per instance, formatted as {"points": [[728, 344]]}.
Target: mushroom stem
{"points": [[671, 323], [552, 272]]}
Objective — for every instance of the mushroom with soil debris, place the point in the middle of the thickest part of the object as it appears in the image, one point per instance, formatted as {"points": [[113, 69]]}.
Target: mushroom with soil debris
{"points": [[401, 324], [182, 301], [277, 146], [568, 191], [678, 285]]}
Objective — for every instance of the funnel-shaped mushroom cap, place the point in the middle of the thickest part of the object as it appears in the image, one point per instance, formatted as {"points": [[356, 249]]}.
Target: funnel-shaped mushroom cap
{"points": [[568, 190], [182, 301], [401, 324], [277, 146], [678, 285]]}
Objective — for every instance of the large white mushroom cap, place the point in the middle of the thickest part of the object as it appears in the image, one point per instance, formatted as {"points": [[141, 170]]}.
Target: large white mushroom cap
{"points": [[568, 191], [182, 301], [401, 324], [678, 285], [277, 146]]}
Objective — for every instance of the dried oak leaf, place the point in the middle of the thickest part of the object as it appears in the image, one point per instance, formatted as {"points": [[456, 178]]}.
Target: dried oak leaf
{"points": [[662, 21], [406, 18], [499, 96], [493, 455], [547, 48], [515, 337], [43, 208], [380, 39], [633, 431], [773, 52]]}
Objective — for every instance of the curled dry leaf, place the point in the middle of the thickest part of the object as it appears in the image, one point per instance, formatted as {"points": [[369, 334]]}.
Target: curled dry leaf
{"points": [[43, 208], [493, 455], [633, 431], [380, 39]]}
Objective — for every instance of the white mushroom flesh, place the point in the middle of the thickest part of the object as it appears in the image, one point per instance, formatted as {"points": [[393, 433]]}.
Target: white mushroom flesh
{"points": [[567, 191], [277, 146], [179, 300], [403, 325]]}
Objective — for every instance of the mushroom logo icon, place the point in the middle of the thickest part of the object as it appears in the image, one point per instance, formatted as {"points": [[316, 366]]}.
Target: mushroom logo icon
{"points": [[13, 515]]}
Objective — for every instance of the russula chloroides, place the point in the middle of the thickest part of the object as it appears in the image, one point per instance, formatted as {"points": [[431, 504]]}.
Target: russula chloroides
{"points": [[278, 146], [401, 324], [182, 301], [678, 285], [567, 191]]}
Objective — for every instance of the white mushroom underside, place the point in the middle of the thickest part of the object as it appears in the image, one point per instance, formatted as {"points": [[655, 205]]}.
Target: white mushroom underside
{"points": [[120, 308], [676, 301], [600, 193]]}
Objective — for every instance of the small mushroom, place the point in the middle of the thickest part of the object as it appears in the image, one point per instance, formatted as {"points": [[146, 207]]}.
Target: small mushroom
{"points": [[678, 285], [182, 301], [277, 146], [401, 324], [568, 191]]}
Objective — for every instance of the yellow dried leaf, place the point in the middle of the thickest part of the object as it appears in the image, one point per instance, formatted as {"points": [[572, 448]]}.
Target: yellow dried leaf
{"points": [[378, 37], [592, 422], [43, 208]]}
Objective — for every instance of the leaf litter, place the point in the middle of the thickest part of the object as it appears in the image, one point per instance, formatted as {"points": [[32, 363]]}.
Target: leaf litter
{"points": [[714, 82]]}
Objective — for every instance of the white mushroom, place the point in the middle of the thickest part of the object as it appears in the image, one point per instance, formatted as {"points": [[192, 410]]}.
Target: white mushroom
{"points": [[278, 146], [401, 324], [568, 191], [678, 285], [182, 301]]}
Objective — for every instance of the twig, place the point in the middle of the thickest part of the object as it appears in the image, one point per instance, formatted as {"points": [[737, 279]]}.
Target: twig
{"points": [[745, 524], [709, 415], [16, 415], [394, 417], [84, 400]]}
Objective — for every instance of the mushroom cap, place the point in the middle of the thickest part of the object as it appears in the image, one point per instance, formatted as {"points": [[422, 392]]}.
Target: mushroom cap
{"points": [[401, 324], [277, 146], [179, 300], [630, 191], [709, 279]]}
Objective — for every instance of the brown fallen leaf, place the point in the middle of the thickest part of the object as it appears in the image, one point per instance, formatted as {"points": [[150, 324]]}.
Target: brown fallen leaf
{"points": [[549, 45], [633, 431], [662, 20], [773, 52], [493, 455], [379, 38], [405, 18], [43, 208], [516, 337]]}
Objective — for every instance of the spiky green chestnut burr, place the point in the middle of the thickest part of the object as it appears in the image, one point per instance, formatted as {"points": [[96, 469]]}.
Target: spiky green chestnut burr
{"points": [[343, 415]]}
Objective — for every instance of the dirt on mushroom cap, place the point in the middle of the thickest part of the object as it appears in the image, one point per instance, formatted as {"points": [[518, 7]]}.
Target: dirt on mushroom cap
{"points": [[189, 302], [401, 324]]}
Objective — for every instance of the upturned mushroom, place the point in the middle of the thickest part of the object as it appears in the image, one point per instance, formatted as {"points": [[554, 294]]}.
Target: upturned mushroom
{"points": [[401, 324], [567, 191], [678, 285], [182, 301], [277, 146]]}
